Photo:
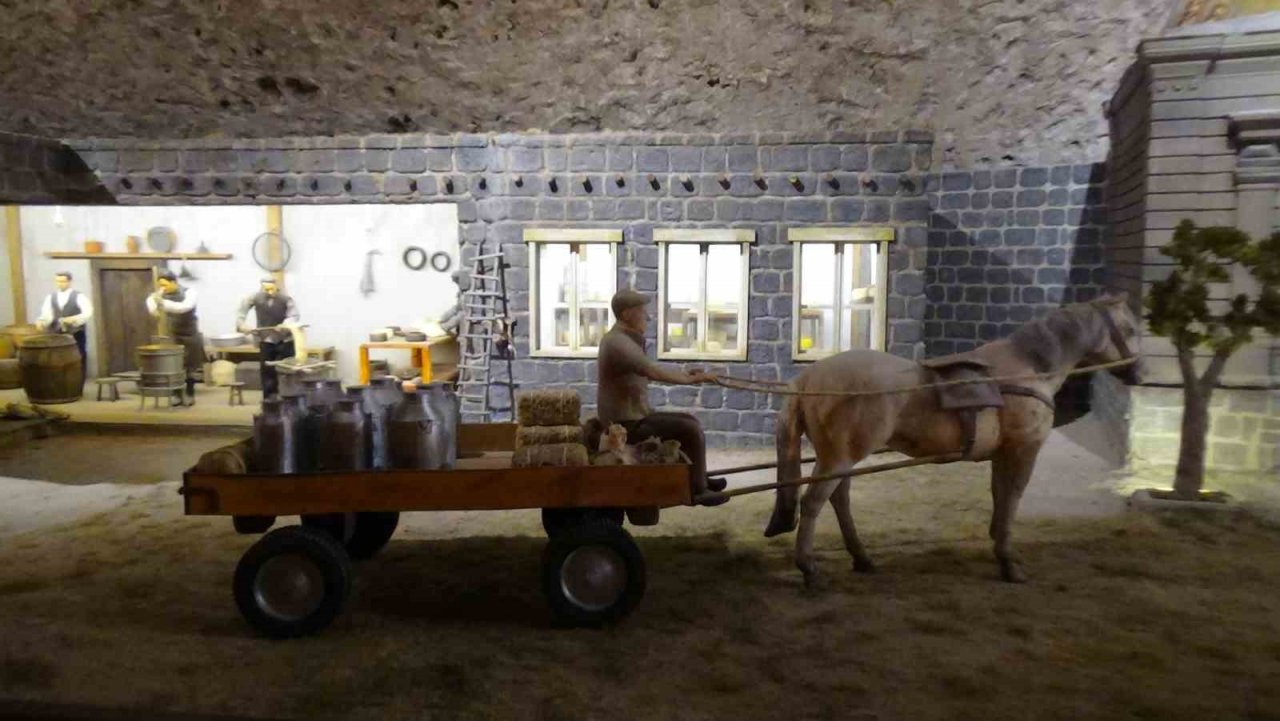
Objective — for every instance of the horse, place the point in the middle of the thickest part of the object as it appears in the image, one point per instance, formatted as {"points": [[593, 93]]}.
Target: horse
{"points": [[891, 410]]}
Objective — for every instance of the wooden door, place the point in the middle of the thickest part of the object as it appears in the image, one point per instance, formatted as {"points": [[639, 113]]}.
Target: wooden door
{"points": [[124, 321]]}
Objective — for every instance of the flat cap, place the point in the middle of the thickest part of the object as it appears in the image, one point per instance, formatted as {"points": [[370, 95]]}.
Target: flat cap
{"points": [[626, 299]]}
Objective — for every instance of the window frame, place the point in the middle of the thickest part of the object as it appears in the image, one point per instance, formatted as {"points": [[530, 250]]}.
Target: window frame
{"points": [[704, 238], [840, 237], [534, 239]]}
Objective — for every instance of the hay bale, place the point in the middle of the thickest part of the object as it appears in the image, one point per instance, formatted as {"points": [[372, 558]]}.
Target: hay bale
{"points": [[559, 454], [228, 460], [547, 435], [548, 408]]}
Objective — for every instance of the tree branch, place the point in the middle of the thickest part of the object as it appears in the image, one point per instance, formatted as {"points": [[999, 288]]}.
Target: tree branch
{"points": [[1209, 380]]}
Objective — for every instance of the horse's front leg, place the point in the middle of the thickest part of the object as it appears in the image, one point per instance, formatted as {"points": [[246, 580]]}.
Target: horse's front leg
{"points": [[840, 502], [1010, 472]]}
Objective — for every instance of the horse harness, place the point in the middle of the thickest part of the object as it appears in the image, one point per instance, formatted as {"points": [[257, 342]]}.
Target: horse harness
{"points": [[967, 399]]}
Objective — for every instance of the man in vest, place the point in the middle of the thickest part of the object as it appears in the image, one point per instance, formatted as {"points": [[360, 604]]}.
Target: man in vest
{"points": [[67, 311], [624, 372], [179, 307], [272, 309]]}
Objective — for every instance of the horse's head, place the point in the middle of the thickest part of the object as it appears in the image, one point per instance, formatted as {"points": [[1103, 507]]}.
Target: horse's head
{"points": [[1118, 337]]}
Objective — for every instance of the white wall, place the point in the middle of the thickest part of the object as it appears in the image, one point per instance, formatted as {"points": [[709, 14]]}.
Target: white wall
{"points": [[220, 283], [6, 296], [328, 243], [329, 246]]}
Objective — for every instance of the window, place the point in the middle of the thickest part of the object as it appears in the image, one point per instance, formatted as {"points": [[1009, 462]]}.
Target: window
{"points": [[839, 299], [574, 276], [702, 293]]}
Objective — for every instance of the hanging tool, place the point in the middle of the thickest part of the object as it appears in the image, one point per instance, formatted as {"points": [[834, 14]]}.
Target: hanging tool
{"points": [[366, 283]]}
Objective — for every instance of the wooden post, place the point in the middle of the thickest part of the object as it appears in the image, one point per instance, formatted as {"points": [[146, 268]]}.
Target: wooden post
{"points": [[13, 234], [274, 249]]}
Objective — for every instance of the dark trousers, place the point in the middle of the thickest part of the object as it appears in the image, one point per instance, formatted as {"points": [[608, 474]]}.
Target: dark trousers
{"points": [[84, 356], [272, 352], [675, 427]]}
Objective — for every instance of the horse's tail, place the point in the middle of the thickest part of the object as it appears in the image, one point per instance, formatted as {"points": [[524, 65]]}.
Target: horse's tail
{"points": [[790, 429]]}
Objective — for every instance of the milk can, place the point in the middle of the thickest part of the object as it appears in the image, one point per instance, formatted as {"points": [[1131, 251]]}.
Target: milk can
{"points": [[314, 430], [413, 438], [345, 446], [375, 417], [273, 441], [444, 411]]}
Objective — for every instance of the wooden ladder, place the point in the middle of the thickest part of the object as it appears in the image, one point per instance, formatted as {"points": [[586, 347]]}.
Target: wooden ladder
{"points": [[485, 336]]}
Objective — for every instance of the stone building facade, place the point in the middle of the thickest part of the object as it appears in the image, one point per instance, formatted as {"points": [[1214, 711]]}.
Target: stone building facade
{"points": [[505, 184]]}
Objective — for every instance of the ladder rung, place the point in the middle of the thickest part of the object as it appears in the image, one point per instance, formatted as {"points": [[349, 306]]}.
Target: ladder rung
{"points": [[479, 276], [485, 256], [477, 399], [482, 293]]}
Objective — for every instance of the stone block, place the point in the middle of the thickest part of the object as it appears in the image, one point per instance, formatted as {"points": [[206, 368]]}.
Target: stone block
{"points": [[556, 159], [524, 160], [1033, 177], [701, 209], [811, 210], [709, 397], [890, 158], [653, 160], [591, 158], [409, 161], [620, 158], [687, 159], [472, 160]]}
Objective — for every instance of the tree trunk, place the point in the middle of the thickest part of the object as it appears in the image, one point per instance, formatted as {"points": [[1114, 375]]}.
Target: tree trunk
{"points": [[1189, 478], [1196, 392]]}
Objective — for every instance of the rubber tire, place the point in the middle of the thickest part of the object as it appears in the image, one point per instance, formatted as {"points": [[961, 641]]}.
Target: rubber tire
{"points": [[339, 526], [373, 530], [318, 546], [595, 531], [556, 520], [363, 534]]}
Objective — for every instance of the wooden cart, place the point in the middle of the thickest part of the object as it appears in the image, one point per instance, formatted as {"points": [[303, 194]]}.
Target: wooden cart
{"points": [[296, 580]]}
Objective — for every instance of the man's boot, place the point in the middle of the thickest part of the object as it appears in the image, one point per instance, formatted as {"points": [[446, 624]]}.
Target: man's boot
{"points": [[190, 397]]}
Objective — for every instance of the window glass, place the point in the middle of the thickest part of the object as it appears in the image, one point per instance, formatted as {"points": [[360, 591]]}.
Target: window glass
{"points": [[817, 322], [555, 274], [683, 278], [724, 297]]}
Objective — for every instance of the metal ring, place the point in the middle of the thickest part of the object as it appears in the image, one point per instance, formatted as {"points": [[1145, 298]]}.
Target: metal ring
{"points": [[421, 253], [441, 267]]}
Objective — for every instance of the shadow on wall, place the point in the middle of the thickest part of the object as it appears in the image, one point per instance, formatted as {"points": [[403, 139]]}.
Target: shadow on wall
{"points": [[37, 170], [1009, 245]]}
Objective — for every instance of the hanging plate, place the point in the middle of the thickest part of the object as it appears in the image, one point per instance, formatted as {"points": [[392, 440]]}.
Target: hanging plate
{"points": [[161, 239], [263, 258]]}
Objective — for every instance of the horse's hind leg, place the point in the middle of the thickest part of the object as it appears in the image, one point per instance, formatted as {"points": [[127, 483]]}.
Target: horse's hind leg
{"points": [[844, 513], [815, 497]]}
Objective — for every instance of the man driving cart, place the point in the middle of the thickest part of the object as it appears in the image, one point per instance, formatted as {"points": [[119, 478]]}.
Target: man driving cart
{"points": [[624, 372]]}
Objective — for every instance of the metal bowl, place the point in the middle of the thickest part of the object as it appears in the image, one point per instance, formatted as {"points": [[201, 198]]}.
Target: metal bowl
{"points": [[378, 337], [414, 336], [227, 340]]}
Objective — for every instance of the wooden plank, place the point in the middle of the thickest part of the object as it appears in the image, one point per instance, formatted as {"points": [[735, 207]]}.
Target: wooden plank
{"points": [[1196, 145], [81, 255], [1191, 201], [1199, 183], [1183, 128], [1170, 219], [1178, 165], [1217, 108], [456, 490], [17, 284]]}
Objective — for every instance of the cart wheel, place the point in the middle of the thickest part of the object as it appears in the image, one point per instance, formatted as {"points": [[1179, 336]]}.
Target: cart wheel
{"points": [[372, 531], [363, 534], [339, 526], [293, 582], [592, 574], [252, 524], [557, 520]]}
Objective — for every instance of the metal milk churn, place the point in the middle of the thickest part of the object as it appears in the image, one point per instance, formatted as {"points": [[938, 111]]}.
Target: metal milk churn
{"points": [[314, 431], [273, 440], [387, 392], [375, 417], [345, 446], [410, 434], [444, 410]]}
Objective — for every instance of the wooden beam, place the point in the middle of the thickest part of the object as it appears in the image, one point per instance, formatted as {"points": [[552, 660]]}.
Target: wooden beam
{"points": [[81, 255], [17, 286], [274, 249]]}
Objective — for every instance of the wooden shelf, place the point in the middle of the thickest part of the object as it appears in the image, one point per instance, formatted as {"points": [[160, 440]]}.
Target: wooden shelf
{"points": [[139, 256]]}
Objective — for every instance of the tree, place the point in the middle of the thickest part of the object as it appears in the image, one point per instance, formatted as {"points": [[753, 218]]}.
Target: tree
{"points": [[1179, 309]]}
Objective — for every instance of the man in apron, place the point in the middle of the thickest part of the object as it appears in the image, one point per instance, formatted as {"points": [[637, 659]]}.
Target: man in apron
{"points": [[179, 307], [624, 372], [67, 311], [272, 308]]}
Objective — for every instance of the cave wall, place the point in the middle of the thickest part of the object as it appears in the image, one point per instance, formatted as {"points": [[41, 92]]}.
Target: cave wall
{"points": [[1000, 82]]}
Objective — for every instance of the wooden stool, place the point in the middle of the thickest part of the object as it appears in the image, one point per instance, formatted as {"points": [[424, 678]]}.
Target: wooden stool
{"points": [[235, 396], [112, 386]]}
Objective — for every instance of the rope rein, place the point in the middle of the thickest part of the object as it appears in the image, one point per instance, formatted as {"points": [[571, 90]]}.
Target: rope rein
{"points": [[783, 387]]}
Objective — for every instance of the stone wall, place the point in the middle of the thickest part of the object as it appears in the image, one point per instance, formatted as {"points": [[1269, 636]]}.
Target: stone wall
{"points": [[506, 183], [40, 170], [1008, 245], [1005, 81]]}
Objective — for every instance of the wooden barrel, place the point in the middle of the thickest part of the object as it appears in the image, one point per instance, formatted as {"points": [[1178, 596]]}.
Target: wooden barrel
{"points": [[51, 369], [10, 373], [11, 337]]}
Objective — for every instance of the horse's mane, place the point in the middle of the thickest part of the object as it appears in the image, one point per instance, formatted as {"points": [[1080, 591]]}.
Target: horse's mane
{"points": [[1046, 341]]}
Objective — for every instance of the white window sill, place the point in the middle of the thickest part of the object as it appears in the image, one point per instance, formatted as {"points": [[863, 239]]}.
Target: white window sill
{"points": [[565, 353], [696, 356]]}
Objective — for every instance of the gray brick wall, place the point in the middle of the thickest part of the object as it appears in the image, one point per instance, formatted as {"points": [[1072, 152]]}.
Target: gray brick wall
{"points": [[508, 182], [1007, 245], [39, 170]]}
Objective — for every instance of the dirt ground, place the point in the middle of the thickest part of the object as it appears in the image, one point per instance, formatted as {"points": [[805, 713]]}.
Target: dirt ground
{"points": [[121, 601]]}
